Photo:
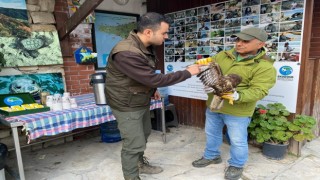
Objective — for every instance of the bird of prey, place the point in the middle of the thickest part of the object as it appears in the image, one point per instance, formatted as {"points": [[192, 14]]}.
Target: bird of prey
{"points": [[220, 85]]}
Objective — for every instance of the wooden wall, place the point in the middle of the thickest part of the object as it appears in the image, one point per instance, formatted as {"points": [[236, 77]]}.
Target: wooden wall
{"points": [[191, 111]]}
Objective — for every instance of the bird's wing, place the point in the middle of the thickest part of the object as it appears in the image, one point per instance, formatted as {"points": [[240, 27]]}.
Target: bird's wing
{"points": [[210, 74]]}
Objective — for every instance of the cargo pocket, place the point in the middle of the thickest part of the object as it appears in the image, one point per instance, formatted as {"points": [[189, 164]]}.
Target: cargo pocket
{"points": [[139, 96]]}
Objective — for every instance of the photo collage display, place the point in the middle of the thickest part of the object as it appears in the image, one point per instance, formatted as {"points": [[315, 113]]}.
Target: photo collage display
{"points": [[204, 31]]}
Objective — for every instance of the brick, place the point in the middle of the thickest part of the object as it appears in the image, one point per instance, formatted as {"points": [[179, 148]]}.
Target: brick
{"points": [[70, 73]]}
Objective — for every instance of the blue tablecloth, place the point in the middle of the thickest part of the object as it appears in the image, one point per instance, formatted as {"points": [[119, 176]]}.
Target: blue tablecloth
{"points": [[55, 122]]}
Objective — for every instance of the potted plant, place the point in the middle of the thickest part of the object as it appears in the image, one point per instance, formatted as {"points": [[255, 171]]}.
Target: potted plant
{"points": [[270, 126]]}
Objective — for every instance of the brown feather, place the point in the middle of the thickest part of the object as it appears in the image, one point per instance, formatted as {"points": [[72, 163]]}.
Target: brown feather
{"points": [[212, 78]]}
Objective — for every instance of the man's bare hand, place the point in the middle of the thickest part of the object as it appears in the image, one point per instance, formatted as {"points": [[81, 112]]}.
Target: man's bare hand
{"points": [[156, 95], [194, 69]]}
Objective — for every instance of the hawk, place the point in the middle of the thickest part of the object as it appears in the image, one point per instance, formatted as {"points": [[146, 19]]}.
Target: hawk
{"points": [[217, 83]]}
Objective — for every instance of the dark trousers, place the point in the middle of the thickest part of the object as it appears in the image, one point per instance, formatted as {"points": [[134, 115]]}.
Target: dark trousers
{"points": [[135, 128]]}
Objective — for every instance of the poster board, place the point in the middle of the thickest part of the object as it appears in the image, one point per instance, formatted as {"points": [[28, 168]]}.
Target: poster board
{"points": [[204, 31]]}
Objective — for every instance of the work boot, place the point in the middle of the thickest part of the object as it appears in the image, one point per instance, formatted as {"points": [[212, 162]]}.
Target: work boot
{"points": [[146, 168], [205, 162], [233, 173]]}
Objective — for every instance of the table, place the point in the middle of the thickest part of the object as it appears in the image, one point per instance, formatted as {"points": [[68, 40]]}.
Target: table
{"points": [[55, 122]]}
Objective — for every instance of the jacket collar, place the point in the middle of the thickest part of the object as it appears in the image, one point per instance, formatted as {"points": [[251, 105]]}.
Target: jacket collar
{"points": [[260, 55], [133, 36]]}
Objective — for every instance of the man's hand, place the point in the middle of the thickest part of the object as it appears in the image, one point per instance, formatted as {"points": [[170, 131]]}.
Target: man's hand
{"points": [[156, 95], [231, 96], [194, 69]]}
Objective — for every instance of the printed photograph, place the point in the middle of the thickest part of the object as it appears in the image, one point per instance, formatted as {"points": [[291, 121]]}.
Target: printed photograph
{"points": [[191, 43], [290, 36], [250, 2], [32, 83], [293, 46], [250, 21], [217, 33], [230, 31], [271, 27], [273, 37], [217, 41], [292, 15], [217, 16], [191, 28], [169, 58], [291, 26], [230, 40], [179, 44], [179, 51], [191, 20], [42, 48], [233, 22], [191, 12], [190, 58], [292, 5], [204, 10], [269, 1], [271, 46], [218, 8], [251, 10], [168, 52], [203, 42], [216, 49], [204, 18], [233, 14], [291, 57], [204, 50], [204, 26], [203, 34], [191, 51], [179, 15], [270, 8], [269, 18], [233, 5], [217, 24], [179, 59], [14, 19], [192, 35], [179, 22]]}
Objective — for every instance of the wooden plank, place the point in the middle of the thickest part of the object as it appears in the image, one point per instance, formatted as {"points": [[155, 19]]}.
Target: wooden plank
{"points": [[304, 89], [70, 24]]}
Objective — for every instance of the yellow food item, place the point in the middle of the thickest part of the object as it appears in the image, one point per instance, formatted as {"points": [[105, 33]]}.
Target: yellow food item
{"points": [[204, 61], [6, 109], [17, 108], [27, 106], [36, 105]]}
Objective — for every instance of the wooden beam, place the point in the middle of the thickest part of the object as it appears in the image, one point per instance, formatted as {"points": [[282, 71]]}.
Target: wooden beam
{"points": [[70, 24]]}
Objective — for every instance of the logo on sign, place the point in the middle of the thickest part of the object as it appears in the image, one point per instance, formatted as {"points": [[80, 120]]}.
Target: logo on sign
{"points": [[285, 70], [170, 68]]}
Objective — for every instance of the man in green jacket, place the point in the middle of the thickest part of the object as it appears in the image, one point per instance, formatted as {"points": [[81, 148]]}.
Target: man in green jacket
{"points": [[131, 81], [249, 60]]}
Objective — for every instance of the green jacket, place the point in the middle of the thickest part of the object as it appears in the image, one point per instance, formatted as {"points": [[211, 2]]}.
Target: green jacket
{"points": [[258, 76]]}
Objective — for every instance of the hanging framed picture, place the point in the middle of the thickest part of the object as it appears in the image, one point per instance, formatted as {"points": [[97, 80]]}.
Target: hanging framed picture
{"points": [[109, 29]]}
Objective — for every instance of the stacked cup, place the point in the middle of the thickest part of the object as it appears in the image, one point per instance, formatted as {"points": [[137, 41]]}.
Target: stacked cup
{"points": [[73, 103], [49, 101], [66, 100], [57, 102]]}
